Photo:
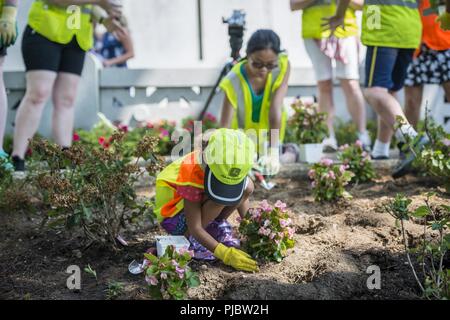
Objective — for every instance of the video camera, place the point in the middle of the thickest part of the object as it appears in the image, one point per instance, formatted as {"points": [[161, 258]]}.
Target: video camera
{"points": [[236, 27]]}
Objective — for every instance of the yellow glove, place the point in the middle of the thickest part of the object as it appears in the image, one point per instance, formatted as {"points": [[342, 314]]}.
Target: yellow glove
{"points": [[236, 258], [444, 20], [8, 26]]}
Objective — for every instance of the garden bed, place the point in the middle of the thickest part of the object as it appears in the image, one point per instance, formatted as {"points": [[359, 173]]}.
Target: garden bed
{"points": [[335, 244]]}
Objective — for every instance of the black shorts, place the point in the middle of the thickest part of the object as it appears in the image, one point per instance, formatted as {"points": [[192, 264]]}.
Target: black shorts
{"points": [[39, 53]]}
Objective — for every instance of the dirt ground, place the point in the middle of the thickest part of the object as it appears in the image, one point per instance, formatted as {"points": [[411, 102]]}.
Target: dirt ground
{"points": [[335, 244]]}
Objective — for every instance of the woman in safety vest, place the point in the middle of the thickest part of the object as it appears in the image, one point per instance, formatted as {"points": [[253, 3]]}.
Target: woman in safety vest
{"points": [[343, 48], [54, 45], [8, 36], [197, 193], [254, 92]]}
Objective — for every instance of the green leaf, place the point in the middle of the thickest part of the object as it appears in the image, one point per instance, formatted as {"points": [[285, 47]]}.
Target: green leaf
{"points": [[152, 258], [421, 212]]}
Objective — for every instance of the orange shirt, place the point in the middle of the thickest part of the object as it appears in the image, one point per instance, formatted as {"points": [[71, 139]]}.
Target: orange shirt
{"points": [[433, 36]]}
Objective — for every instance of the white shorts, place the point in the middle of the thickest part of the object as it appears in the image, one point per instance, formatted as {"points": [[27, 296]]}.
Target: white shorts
{"points": [[323, 66]]}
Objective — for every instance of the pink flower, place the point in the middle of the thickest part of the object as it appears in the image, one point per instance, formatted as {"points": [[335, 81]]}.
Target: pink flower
{"points": [[163, 275], [331, 175], [265, 206], [326, 162], [311, 173], [164, 133], [262, 231], [358, 143], [266, 223], [313, 184], [180, 272], [101, 140], [272, 235], [280, 205], [291, 232], [151, 280], [285, 223], [446, 142], [277, 242], [239, 219], [184, 250], [256, 214], [342, 168], [76, 137], [175, 263], [150, 125], [123, 128]]}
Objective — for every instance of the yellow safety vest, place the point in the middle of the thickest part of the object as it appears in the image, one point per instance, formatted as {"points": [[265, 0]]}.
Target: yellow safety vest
{"points": [[60, 24], [312, 21], [238, 92], [185, 171], [391, 23]]}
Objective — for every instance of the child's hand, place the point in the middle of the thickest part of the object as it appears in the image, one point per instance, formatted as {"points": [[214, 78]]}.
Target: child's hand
{"points": [[236, 258]]}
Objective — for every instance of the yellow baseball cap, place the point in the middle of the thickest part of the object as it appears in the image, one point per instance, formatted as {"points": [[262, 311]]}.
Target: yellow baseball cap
{"points": [[229, 157]]}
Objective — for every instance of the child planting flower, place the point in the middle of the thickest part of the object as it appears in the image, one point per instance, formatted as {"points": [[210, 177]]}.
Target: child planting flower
{"points": [[358, 161], [170, 276], [268, 231], [196, 194], [329, 180]]}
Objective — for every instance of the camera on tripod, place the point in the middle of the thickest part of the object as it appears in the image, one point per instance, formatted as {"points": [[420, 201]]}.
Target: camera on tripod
{"points": [[236, 27]]}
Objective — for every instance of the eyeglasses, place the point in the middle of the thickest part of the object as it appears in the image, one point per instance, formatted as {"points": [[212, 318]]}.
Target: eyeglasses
{"points": [[259, 65]]}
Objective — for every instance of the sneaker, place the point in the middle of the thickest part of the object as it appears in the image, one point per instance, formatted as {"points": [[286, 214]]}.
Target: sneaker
{"points": [[330, 144], [222, 231], [19, 164], [379, 157], [200, 252], [404, 165], [6, 164]]}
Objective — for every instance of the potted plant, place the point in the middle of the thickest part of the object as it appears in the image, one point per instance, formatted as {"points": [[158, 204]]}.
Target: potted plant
{"points": [[310, 128]]}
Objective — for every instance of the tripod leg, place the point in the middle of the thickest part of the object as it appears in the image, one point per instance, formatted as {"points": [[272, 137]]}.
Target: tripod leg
{"points": [[223, 73]]}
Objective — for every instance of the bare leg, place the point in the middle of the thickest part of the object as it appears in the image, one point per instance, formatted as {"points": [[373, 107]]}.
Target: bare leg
{"points": [[64, 95], [326, 103], [446, 86], [39, 87], [355, 103], [413, 101], [3, 104]]}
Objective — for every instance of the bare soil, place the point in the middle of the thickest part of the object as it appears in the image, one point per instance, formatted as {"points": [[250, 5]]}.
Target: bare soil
{"points": [[335, 244]]}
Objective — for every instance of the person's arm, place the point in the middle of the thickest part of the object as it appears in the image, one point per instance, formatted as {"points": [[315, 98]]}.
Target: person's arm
{"points": [[300, 4], [357, 4], [227, 114], [113, 7], [193, 212], [276, 106], [8, 23], [337, 20], [124, 37]]}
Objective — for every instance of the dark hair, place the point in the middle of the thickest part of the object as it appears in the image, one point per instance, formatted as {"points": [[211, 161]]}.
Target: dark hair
{"points": [[264, 39]]}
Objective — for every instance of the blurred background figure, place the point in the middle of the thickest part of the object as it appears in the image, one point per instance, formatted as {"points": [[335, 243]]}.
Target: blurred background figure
{"points": [[54, 60], [343, 48], [431, 64], [255, 89], [114, 48], [8, 36]]}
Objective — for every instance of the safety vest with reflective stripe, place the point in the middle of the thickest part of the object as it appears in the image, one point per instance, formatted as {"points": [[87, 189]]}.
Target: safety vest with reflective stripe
{"points": [[60, 25], [391, 23], [238, 92], [312, 21], [185, 171]]}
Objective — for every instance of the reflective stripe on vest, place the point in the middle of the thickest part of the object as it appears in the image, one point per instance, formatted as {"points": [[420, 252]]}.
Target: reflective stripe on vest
{"points": [[236, 88], [54, 23], [402, 3], [185, 171]]}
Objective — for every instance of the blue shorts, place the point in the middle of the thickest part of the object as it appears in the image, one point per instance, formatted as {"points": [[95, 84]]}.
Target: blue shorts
{"points": [[387, 67]]}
